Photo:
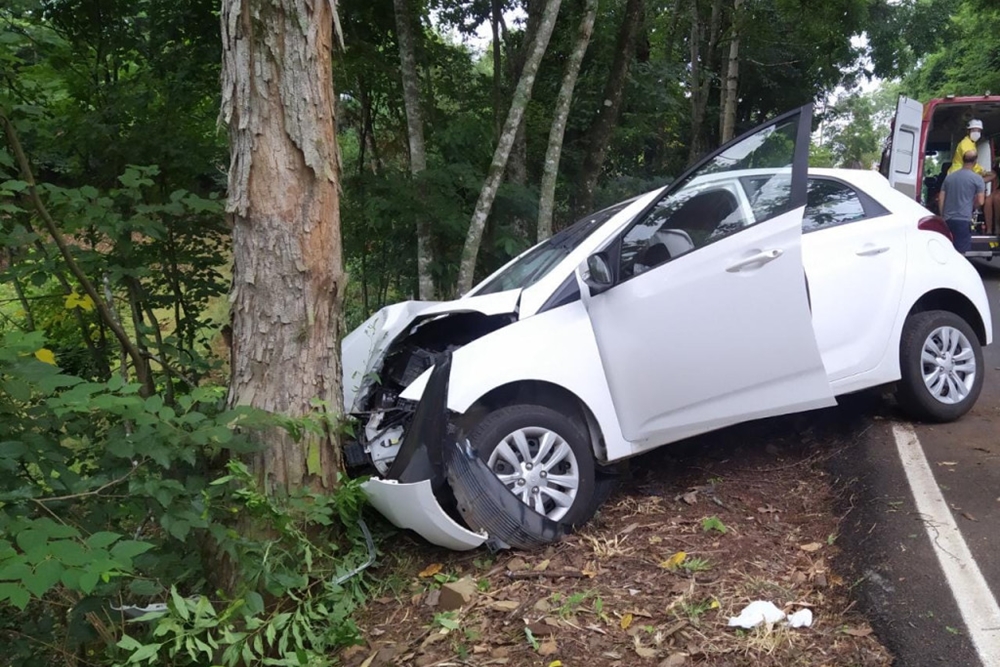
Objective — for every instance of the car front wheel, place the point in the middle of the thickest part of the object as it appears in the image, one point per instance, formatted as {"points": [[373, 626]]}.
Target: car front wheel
{"points": [[543, 458], [942, 367]]}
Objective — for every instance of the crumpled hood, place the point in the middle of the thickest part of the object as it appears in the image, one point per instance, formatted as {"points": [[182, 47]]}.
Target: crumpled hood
{"points": [[363, 350]]}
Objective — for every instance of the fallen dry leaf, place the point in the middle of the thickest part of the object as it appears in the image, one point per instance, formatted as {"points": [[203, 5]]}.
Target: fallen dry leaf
{"points": [[626, 621], [656, 539], [556, 663], [430, 570], [547, 647], [675, 660], [969, 516], [690, 498], [947, 463], [506, 605], [674, 561], [858, 632], [541, 567], [812, 546], [643, 651]]}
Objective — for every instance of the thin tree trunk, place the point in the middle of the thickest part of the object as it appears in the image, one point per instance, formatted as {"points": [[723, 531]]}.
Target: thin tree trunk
{"points": [[604, 122], [522, 95], [728, 125], [288, 280], [546, 202], [496, 16], [415, 133], [701, 75]]}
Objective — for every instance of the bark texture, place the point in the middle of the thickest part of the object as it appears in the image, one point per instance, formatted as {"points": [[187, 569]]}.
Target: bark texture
{"points": [[288, 282], [522, 95], [415, 134], [729, 98], [604, 122], [553, 152]]}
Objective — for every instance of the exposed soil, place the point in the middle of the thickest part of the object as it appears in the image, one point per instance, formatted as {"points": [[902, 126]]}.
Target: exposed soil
{"points": [[752, 508]]}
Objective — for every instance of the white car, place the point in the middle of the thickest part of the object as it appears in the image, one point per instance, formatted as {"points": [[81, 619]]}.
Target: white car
{"points": [[750, 287]]}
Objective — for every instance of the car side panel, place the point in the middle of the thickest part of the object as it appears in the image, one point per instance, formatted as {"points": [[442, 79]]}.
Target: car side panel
{"points": [[557, 347], [932, 264], [856, 273]]}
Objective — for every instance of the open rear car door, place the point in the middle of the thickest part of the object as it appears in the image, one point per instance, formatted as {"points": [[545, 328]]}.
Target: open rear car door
{"points": [[905, 149]]}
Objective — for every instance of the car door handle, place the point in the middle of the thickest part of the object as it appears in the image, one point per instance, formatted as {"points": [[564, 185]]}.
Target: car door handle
{"points": [[760, 258], [871, 252]]}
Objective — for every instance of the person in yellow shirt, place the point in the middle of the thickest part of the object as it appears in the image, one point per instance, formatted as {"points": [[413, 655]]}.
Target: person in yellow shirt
{"points": [[968, 143]]}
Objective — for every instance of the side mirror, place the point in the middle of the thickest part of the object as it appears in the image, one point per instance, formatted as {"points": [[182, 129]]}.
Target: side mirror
{"points": [[599, 277]]}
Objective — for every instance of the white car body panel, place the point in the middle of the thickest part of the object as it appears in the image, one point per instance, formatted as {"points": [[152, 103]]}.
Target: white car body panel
{"points": [[414, 506], [704, 300]]}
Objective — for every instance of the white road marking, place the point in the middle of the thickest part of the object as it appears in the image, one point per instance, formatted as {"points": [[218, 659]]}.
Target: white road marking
{"points": [[976, 603]]}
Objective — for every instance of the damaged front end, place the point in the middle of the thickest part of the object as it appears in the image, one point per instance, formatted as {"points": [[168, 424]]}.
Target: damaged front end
{"points": [[436, 468]]}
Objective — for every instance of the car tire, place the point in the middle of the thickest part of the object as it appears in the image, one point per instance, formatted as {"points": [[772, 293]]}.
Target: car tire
{"points": [[946, 384], [568, 458]]}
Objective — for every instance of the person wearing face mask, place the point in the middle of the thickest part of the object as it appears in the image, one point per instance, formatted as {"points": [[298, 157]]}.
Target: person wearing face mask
{"points": [[968, 143]]}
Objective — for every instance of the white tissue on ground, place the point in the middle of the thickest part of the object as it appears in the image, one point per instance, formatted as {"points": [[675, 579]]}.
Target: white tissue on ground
{"points": [[803, 618], [759, 611], [756, 613]]}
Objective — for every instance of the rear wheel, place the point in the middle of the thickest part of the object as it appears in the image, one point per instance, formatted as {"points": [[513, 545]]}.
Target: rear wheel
{"points": [[543, 458], [941, 362]]}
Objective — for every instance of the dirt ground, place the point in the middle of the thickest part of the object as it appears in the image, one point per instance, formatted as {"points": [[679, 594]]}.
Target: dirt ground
{"points": [[695, 533]]}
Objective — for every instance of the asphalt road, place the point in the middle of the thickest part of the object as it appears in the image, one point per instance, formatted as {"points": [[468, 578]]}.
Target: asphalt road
{"points": [[896, 551]]}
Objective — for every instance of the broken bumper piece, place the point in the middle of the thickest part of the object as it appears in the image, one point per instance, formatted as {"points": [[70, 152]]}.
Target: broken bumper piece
{"points": [[414, 506], [430, 458]]}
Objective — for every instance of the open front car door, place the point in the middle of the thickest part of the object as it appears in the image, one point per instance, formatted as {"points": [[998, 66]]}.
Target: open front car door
{"points": [[700, 306]]}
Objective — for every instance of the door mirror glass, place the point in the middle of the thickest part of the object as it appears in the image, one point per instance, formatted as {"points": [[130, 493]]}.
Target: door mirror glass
{"points": [[599, 277]]}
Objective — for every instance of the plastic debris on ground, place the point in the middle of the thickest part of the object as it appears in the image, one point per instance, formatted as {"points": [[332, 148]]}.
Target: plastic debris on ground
{"points": [[760, 611]]}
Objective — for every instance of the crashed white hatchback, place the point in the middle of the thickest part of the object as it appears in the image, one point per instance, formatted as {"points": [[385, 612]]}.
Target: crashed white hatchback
{"points": [[749, 287]]}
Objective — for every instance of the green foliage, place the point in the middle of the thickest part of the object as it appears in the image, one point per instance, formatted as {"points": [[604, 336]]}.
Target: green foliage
{"points": [[713, 523], [107, 497]]}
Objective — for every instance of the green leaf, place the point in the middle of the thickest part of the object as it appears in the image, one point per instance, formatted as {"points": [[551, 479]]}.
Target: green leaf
{"points": [[144, 587], [145, 652], [128, 643], [15, 571], [102, 540], [46, 576], [180, 605], [88, 580], [13, 186], [18, 596], [126, 550], [255, 603], [31, 539]]}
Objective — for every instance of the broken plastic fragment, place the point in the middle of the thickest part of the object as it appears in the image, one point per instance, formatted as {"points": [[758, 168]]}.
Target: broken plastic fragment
{"points": [[803, 618], [755, 613]]}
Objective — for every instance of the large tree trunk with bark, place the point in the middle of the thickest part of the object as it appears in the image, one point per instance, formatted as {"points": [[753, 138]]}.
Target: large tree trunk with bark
{"points": [[415, 133], [599, 134], [522, 95], [728, 117], [288, 281], [546, 202]]}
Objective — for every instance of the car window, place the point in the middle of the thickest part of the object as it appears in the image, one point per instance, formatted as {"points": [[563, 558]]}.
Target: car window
{"points": [[712, 203], [537, 262], [829, 204]]}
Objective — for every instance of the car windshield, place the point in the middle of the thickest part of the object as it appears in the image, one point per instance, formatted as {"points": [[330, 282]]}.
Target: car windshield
{"points": [[537, 262]]}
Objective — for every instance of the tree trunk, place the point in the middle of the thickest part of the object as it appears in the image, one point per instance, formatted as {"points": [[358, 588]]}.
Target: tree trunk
{"points": [[604, 122], [415, 132], [288, 281], [701, 76], [522, 95], [546, 202], [728, 125], [496, 15]]}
